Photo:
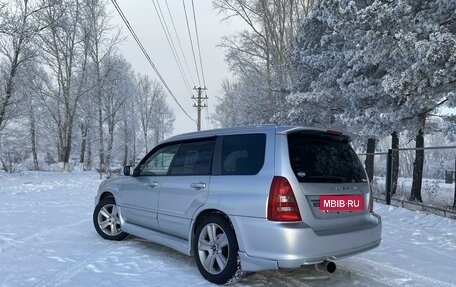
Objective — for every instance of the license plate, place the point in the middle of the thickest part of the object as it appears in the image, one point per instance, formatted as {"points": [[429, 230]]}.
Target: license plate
{"points": [[341, 202]]}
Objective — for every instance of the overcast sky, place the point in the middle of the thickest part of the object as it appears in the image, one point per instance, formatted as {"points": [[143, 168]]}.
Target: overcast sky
{"points": [[143, 18]]}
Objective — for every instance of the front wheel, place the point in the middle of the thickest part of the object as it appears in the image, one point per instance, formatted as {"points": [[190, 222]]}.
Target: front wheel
{"points": [[216, 250], [107, 221]]}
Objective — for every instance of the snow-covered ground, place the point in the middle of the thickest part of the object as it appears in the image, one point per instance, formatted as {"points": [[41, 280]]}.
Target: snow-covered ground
{"points": [[47, 239]]}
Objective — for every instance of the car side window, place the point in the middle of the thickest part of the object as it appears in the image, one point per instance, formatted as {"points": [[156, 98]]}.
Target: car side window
{"points": [[193, 158], [243, 154], [159, 162]]}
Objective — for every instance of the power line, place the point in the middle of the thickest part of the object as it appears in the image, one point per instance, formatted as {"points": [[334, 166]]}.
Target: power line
{"points": [[179, 42], [191, 42], [201, 101], [200, 105], [164, 26], [125, 20], [198, 42]]}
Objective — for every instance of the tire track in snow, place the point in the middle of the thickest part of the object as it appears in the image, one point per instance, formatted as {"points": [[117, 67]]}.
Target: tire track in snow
{"points": [[73, 269], [405, 273], [14, 244], [283, 280], [366, 274]]}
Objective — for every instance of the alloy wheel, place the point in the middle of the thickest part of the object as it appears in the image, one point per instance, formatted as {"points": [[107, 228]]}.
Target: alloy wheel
{"points": [[213, 248]]}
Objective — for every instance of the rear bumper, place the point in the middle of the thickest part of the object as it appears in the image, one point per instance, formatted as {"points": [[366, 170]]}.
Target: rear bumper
{"points": [[270, 245]]}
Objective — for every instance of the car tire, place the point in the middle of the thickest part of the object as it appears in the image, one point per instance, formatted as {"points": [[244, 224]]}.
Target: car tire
{"points": [[106, 220], [216, 250]]}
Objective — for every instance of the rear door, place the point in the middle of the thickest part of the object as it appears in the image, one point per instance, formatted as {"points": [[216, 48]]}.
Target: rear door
{"points": [[327, 168], [187, 186]]}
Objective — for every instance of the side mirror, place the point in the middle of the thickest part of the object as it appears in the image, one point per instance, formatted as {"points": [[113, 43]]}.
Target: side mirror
{"points": [[128, 170]]}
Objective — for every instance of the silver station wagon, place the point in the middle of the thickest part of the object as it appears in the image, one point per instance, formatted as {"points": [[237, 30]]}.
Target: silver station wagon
{"points": [[246, 199]]}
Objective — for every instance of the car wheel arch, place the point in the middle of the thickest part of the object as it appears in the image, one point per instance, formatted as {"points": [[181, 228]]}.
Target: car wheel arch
{"points": [[106, 194], [201, 216]]}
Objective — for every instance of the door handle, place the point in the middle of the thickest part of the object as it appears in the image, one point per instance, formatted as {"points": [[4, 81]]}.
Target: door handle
{"points": [[198, 185], [153, 184]]}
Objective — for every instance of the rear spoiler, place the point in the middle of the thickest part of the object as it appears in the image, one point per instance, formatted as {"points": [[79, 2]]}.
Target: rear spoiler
{"points": [[324, 134]]}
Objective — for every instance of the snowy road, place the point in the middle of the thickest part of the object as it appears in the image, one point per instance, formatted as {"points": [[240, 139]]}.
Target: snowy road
{"points": [[47, 239]]}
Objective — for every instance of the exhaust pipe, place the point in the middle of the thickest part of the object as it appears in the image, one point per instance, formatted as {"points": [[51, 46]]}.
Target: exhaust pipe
{"points": [[326, 265]]}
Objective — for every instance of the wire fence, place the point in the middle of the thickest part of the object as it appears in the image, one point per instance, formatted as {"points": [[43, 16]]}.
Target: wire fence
{"points": [[393, 179]]}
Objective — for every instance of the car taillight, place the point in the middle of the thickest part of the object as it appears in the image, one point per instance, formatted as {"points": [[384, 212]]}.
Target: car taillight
{"points": [[282, 205]]}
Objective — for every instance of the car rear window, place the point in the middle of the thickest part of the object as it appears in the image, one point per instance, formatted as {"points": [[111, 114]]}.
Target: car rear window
{"points": [[324, 158]]}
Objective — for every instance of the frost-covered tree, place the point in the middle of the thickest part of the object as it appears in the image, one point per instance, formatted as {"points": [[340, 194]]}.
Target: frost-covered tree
{"points": [[66, 93], [155, 115], [101, 43], [375, 67], [419, 71], [329, 92], [119, 87], [129, 131], [147, 94], [240, 104], [19, 27], [257, 55], [18, 140], [228, 111], [30, 87], [64, 52], [427, 80]]}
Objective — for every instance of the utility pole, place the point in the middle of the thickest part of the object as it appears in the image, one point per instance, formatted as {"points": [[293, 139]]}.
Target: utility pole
{"points": [[199, 104]]}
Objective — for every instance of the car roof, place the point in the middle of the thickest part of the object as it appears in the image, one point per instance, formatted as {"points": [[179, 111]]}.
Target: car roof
{"points": [[279, 129]]}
